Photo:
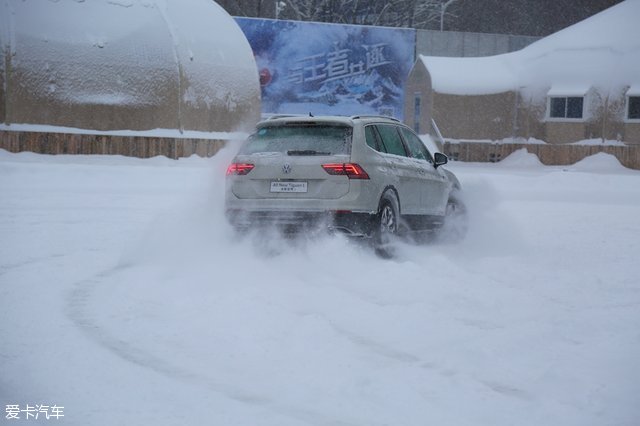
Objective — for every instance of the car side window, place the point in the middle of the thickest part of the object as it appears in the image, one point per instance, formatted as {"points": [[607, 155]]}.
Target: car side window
{"points": [[415, 145], [373, 139], [391, 139]]}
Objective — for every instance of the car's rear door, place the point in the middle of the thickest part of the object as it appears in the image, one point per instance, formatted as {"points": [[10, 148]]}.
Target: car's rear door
{"points": [[402, 168]]}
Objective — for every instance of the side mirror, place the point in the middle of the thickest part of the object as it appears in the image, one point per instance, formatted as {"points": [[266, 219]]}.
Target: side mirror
{"points": [[440, 159]]}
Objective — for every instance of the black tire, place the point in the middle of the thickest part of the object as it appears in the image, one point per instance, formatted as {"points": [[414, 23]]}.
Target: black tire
{"points": [[387, 226]]}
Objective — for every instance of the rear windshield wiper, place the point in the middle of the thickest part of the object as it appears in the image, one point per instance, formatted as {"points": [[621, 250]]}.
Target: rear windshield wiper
{"points": [[307, 152]]}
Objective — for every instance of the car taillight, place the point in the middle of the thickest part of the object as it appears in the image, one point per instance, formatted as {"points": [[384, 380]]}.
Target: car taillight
{"points": [[239, 168], [351, 170]]}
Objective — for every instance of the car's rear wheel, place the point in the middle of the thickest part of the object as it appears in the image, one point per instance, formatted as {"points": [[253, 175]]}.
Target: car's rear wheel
{"points": [[388, 221], [387, 226]]}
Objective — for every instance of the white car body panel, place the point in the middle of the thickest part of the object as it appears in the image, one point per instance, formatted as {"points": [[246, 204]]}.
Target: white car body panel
{"points": [[420, 188]]}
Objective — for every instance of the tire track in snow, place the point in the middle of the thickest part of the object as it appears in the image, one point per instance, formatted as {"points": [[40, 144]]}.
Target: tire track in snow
{"points": [[374, 346], [77, 311], [9, 267]]}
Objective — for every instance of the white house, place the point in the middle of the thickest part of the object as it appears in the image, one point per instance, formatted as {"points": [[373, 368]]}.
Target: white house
{"points": [[581, 83]]}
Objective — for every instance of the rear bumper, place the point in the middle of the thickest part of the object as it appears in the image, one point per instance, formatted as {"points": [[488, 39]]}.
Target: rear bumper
{"points": [[349, 223]]}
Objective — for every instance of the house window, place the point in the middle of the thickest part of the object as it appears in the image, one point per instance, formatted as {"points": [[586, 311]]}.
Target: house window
{"points": [[633, 108], [566, 107]]}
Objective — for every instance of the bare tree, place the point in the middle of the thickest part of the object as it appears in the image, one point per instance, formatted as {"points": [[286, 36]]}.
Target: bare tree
{"points": [[401, 13], [394, 13], [425, 13], [531, 17], [308, 10], [443, 10]]}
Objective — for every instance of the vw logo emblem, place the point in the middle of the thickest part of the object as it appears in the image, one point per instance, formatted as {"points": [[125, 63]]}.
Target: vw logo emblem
{"points": [[286, 169]]}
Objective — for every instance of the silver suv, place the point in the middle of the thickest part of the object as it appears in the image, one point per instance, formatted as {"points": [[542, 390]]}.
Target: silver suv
{"points": [[365, 176]]}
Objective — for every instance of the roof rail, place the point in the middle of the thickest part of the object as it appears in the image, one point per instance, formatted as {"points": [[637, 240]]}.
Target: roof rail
{"points": [[275, 116], [353, 117]]}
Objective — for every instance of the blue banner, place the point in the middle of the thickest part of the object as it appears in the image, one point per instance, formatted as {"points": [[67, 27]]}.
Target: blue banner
{"points": [[330, 69]]}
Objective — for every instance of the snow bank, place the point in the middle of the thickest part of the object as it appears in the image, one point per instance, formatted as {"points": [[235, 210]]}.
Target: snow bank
{"points": [[521, 158], [524, 141], [152, 133], [597, 163], [599, 141], [600, 162]]}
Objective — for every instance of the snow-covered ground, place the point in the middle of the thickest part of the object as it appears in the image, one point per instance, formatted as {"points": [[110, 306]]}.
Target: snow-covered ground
{"points": [[125, 298]]}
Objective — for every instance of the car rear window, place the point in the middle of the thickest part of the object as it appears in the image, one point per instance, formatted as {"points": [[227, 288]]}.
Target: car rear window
{"points": [[300, 140], [391, 139], [373, 140]]}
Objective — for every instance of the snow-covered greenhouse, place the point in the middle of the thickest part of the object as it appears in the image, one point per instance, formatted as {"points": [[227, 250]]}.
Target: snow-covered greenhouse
{"points": [[130, 77]]}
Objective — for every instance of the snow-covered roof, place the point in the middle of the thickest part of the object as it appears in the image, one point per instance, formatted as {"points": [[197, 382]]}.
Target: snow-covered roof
{"points": [[568, 90], [634, 90], [126, 64], [471, 76], [602, 51]]}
